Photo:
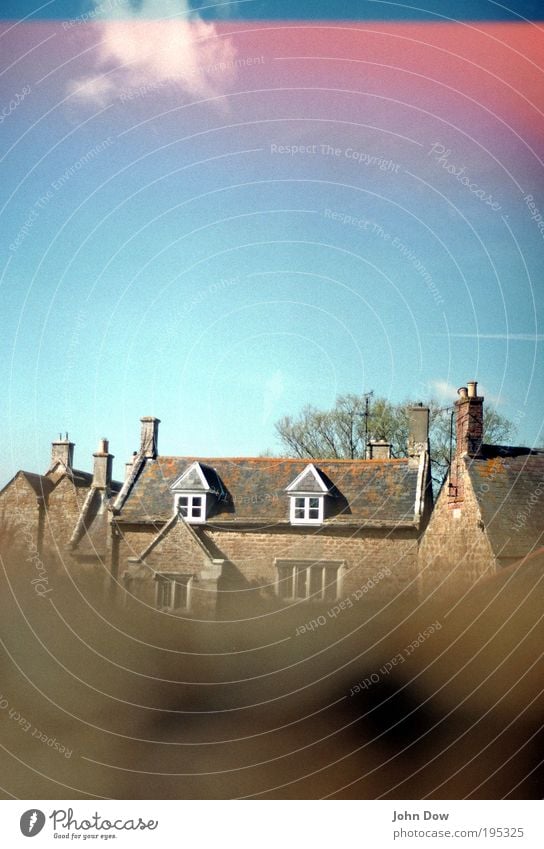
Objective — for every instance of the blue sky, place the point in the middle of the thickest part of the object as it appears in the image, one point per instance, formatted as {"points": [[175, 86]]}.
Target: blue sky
{"points": [[219, 223]]}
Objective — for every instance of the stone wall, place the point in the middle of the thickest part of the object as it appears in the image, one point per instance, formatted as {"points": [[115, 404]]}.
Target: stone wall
{"points": [[454, 551], [388, 559], [63, 508], [20, 513]]}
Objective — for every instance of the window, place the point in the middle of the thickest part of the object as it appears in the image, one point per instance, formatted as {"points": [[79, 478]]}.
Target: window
{"points": [[303, 579], [173, 592], [192, 507], [307, 509]]}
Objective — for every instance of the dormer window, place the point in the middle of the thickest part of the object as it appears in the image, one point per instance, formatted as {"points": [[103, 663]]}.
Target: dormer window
{"points": [[195, 493], [307, 509], [192, 507], [307, 494]]}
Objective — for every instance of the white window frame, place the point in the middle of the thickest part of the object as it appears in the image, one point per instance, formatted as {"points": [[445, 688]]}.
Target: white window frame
{"points": [[306, 520], [308, 565], [173, 578], [190, 496]]}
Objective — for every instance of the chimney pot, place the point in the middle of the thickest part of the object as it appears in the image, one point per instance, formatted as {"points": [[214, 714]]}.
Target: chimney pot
{"points": [[470, 421]]}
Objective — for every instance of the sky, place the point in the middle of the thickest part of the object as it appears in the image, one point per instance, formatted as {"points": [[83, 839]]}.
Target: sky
{"points": [[217, 214]]}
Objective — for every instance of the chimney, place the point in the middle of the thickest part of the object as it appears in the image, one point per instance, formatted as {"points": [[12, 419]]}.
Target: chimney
{"points": [[149, 438], [418, 430], [379, 450], [129, 465], [102, 465], [470, 421], [62, 450]]}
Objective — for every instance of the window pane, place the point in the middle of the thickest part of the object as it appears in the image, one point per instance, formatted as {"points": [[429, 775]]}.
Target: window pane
{"points": [[313, 513], [316, 581], [196, 512], [300, 582], [183, 510], [197, 500], [331, 583], [285, 581], [314, 502], [299, 502], [183, 500], [163, 593], [180, 594], [299, 513]]}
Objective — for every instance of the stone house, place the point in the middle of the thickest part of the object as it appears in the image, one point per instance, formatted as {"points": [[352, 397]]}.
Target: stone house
{"points": [[201, 536], [489, 512], [63, 514]]}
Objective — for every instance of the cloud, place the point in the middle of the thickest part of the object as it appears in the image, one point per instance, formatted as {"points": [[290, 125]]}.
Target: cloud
{"points": [[445, 391], [162, 41]]}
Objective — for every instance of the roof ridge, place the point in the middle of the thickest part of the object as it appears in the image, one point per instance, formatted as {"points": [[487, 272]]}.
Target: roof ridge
{"points": [[308, 460]]}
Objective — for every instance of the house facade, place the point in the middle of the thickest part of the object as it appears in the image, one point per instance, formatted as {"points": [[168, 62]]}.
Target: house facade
{"points": [[489, 513], [212, 536], [208, 537]]}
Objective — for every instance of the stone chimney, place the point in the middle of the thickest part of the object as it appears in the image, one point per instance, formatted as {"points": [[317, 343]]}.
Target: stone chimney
{"points": [[379, 450], [130, 464], [418, 430], [149, 438], [62, 450], [102, 466], [470, 421]]}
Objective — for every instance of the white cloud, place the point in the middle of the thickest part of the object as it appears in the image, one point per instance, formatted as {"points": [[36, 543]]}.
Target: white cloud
{"points": [[443, 390], [163, 40], [447, 392]]}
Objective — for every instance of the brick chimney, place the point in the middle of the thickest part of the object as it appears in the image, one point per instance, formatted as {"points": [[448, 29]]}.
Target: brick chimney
{"points": [[418, 430], [470, 421], [62, 450], [379, 450], [150, 435], [102, 466]]}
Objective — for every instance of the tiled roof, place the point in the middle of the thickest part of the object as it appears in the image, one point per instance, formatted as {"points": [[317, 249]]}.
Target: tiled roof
{"points": [[367, 491], [509, 486]]}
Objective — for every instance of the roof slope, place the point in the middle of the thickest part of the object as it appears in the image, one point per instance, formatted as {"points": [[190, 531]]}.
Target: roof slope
{"points": [[366, 491], [509, 486]]}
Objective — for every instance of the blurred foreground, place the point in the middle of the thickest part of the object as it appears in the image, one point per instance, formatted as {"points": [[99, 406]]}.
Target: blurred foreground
{"points": [[442, 701]]}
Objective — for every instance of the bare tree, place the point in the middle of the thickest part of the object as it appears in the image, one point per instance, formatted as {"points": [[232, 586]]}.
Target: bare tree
{"points": [[341, 432]]}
